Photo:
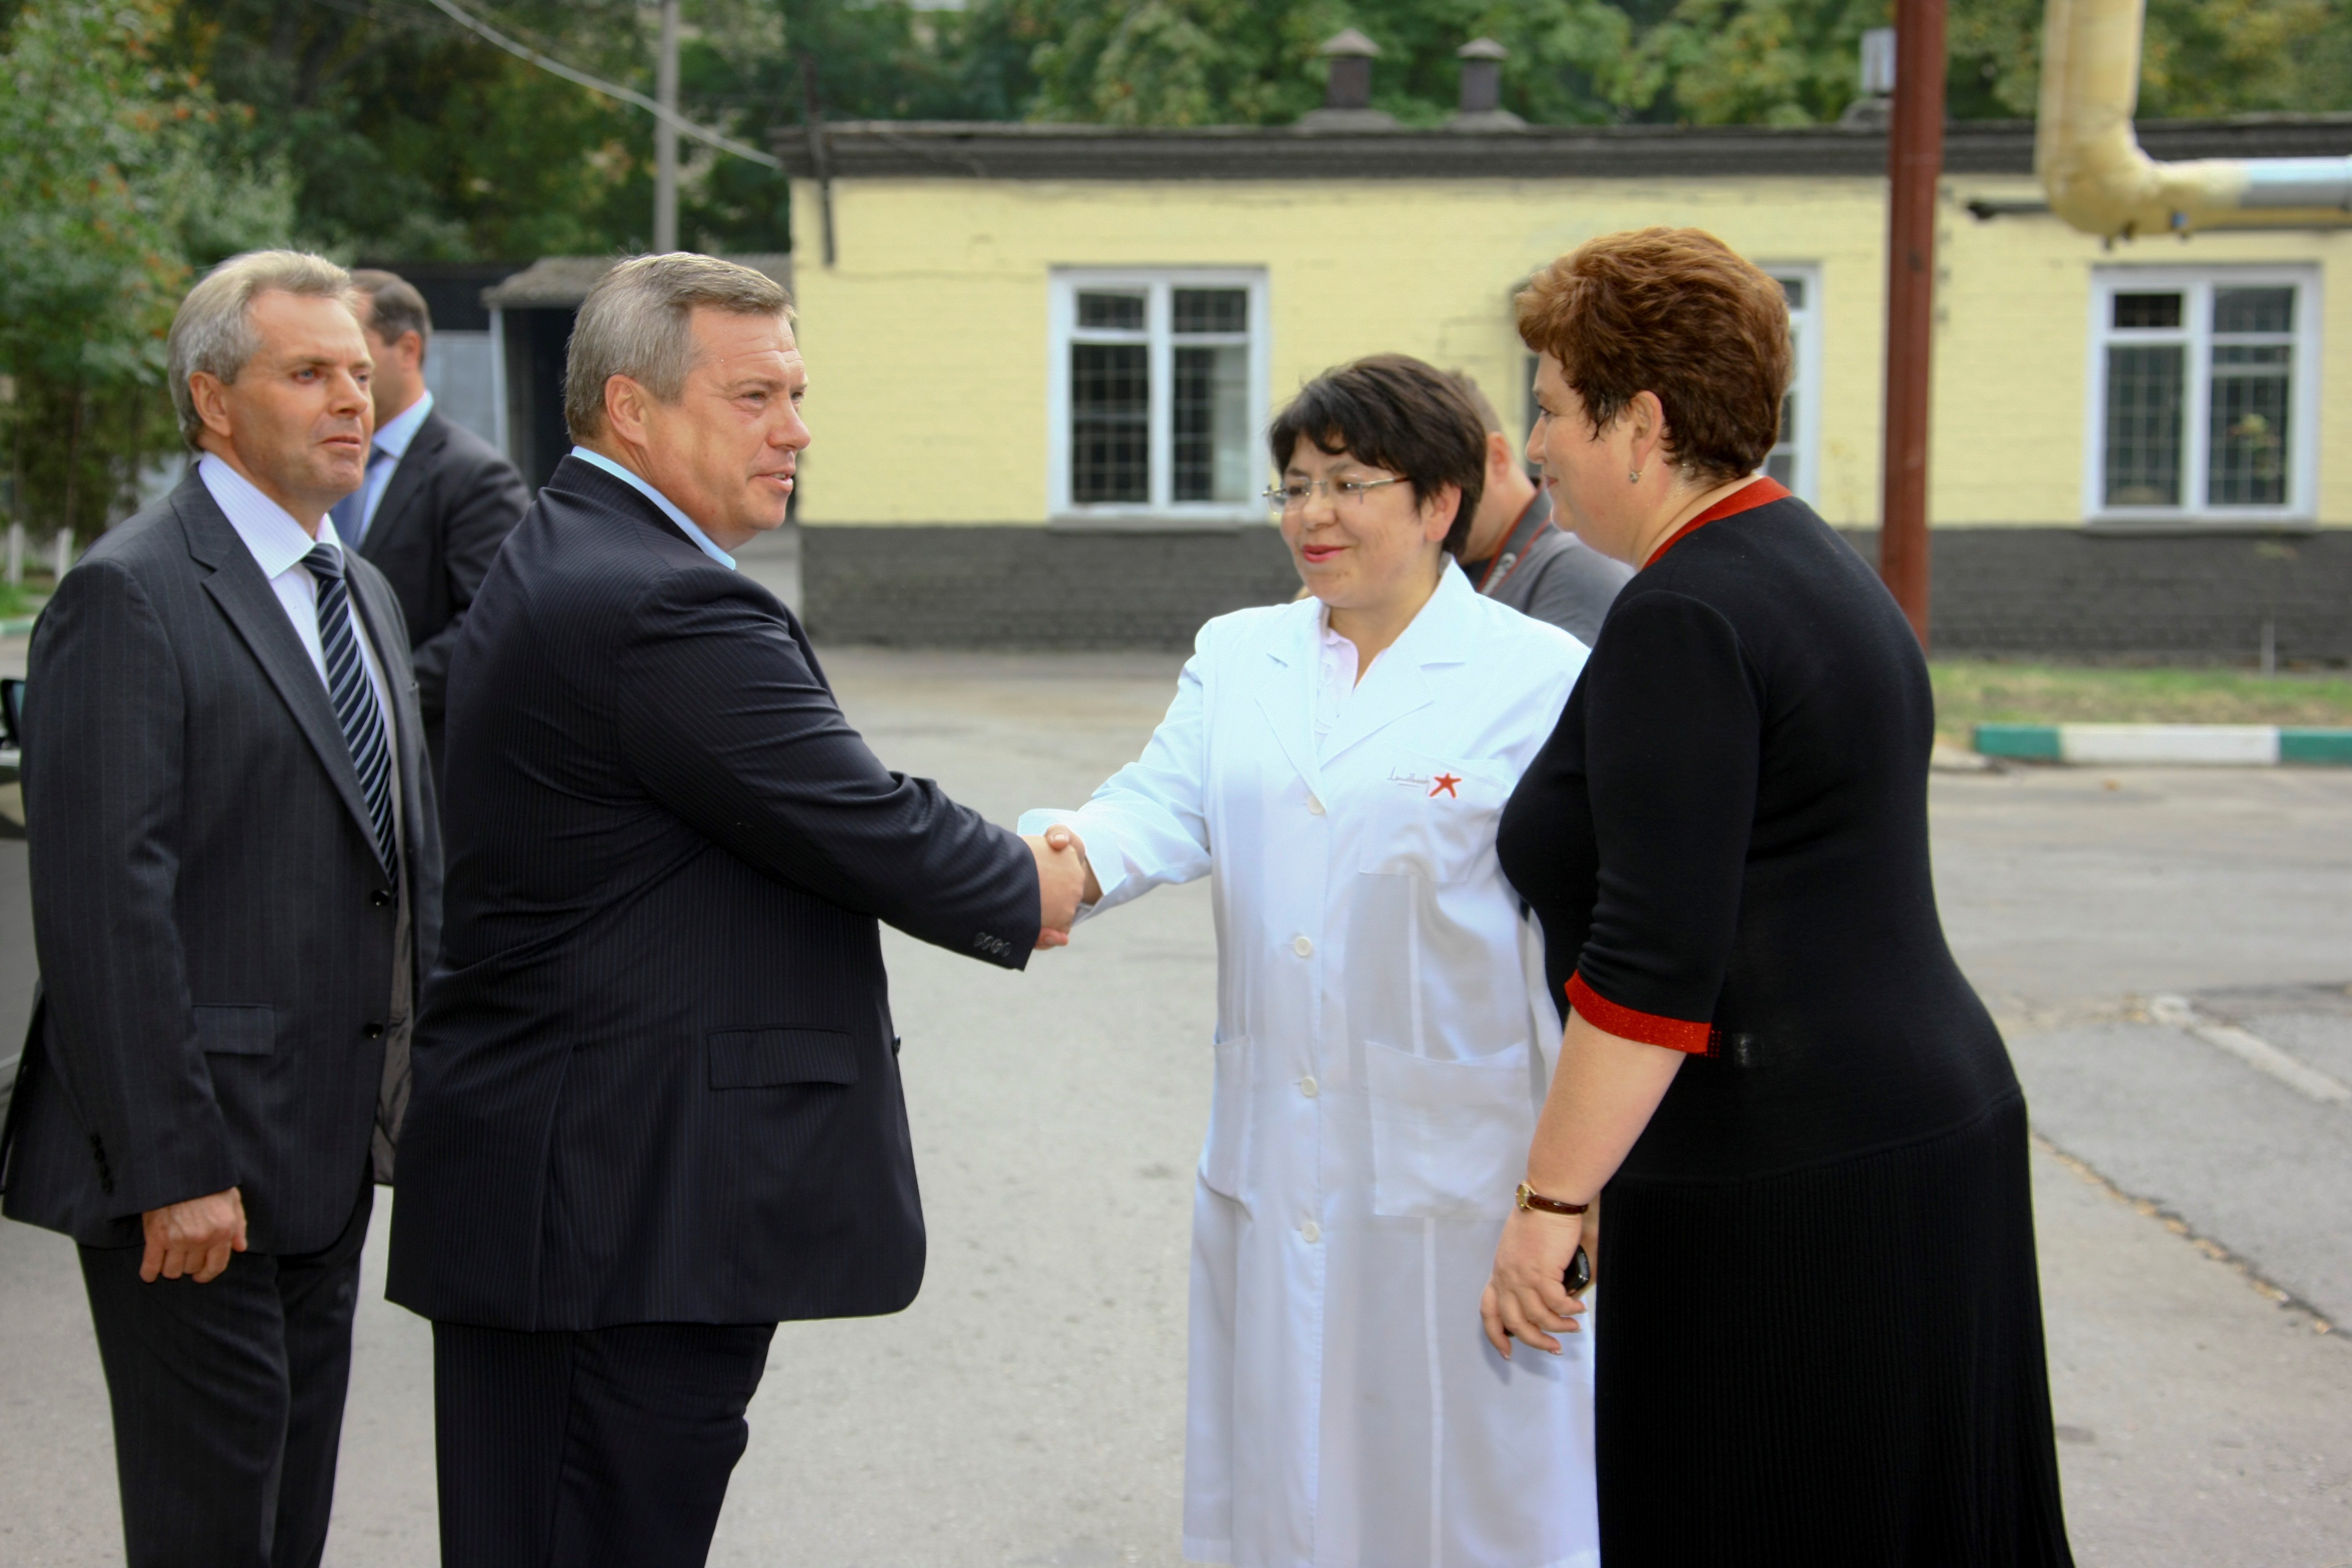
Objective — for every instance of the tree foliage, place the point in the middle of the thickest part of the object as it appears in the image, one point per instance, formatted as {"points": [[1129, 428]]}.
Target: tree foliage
{"points": [[119, 177]]}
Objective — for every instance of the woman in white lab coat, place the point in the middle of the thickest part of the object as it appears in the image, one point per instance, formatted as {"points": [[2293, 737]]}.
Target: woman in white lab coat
{"points": [[1384, 1037]]}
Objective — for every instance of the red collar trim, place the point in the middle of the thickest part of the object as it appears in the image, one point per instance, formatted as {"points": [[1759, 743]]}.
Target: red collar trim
{"points": [[1756, 492]]}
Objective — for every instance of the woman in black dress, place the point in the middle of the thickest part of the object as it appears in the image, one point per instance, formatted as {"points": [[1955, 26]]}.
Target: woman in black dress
{"points": [[1823, 1329]]}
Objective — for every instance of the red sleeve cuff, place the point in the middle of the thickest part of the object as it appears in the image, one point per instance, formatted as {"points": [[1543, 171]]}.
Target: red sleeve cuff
{"points": [[1649, 1028]]}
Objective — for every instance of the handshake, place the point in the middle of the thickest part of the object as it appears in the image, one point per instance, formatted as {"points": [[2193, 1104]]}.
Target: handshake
{"points": [[1065, 882]]}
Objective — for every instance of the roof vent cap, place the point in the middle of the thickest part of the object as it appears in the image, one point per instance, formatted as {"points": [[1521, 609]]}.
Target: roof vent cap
{"points": [[1348, 94]]}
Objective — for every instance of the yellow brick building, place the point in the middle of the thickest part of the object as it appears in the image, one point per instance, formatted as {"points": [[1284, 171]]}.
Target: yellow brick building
{"points": [[1044, 354]]}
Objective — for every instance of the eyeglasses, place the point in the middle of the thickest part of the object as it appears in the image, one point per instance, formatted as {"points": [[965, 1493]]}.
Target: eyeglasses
{"points": [[1292, 496]]}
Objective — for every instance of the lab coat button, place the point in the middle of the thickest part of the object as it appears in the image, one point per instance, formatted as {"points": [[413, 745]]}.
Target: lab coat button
{"points": [[1313, 806], [1308, 1086], [1310, 1232], [1302, 947]]}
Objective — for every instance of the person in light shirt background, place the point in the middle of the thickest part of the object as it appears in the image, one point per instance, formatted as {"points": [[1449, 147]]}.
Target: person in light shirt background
{"points": [[438, 500], [1336, 765]]}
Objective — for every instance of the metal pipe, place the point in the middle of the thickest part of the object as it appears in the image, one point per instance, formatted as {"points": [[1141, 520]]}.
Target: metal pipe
{"points": [[1915, 162], [666, 134], [2090, 162]]}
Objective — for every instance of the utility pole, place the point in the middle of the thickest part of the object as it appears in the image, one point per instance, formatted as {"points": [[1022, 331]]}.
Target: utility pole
{"points": [[666, 134], [1915, 164]]}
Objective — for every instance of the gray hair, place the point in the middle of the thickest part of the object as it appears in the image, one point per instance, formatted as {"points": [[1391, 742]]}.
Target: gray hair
{"points": [[213, 330], [396, 308], [637, 321]]}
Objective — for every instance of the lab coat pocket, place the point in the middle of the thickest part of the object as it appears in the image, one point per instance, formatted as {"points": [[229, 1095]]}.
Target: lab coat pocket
{"points": [[1225, 1157], [1449, 1137], [1432, 819]]}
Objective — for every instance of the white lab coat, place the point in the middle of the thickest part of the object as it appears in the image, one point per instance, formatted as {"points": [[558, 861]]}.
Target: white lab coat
{"points": [[1383, 1038]]}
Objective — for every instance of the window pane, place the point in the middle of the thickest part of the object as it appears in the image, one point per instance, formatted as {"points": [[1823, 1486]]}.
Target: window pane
{"points": [[1211, 309], [2143, 444], [1111, 312], [1212, 415], [1794, 289], [2245, 456], [1110, 415], [2254, 310], [2148, 309], [1782, 465]]}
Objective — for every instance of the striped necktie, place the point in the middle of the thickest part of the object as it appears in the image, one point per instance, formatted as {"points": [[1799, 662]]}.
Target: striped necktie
{"points": [[354, 695]]}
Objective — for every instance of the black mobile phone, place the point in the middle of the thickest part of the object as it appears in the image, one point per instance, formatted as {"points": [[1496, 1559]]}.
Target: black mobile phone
{"points": [[1579, 1278]]}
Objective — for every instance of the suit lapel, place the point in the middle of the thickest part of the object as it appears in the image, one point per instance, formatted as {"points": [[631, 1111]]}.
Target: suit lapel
{"points": [[244, 596], [1288, 698], [407, 479]]}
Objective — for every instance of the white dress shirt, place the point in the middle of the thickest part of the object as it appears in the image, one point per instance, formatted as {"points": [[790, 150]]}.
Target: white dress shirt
{"points": [[659, 500], [394, 437], [278, 543]]}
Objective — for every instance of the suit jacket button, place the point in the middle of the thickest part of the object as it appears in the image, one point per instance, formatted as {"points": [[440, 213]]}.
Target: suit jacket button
{"points": [[381, 898], [374, 1031]]}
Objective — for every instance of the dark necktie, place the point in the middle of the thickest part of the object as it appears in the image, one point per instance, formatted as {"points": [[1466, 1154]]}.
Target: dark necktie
{"points": [[354, 695], [351, 513]]}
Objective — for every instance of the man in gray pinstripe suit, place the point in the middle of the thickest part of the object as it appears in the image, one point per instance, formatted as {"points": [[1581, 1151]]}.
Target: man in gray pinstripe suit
{"points": [[235, 877]]}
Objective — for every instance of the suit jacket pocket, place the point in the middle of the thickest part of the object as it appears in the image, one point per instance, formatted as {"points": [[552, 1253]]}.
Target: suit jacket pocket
{"points": [[763, 1058], [237, 1030]]}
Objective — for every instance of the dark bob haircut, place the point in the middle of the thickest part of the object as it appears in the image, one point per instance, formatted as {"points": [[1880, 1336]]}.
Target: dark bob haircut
{"points": [[1395, 413], [1677, 313]]}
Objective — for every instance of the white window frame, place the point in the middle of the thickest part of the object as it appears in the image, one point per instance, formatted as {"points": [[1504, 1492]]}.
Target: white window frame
{"points": [[2197, 284], [1158, 284], [1805, 381]]}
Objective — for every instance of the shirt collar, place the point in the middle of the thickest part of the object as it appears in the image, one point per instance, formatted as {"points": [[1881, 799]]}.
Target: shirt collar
{"points": [[276, 540], [398, 432], [659, 500]]}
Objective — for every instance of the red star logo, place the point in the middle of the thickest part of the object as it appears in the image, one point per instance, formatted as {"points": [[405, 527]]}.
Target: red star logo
{"points": [[1445, 782]]}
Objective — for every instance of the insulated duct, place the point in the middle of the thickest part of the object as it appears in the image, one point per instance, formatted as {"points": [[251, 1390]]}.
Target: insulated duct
{"points": [[2099, 181]]}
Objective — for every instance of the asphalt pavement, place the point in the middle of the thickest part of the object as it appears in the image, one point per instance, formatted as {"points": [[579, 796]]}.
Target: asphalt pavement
{"points": [[1028, 1410]]}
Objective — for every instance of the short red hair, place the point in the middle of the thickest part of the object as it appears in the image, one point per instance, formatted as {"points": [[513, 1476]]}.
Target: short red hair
{"points": [[1676, 313]]}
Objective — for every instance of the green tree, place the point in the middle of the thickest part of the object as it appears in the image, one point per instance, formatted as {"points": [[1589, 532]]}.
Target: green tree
{"points": [[1190, 62], [119, 178], [2201, 59]]}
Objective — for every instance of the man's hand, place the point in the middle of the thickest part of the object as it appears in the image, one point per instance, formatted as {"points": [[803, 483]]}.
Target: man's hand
{"points": [[194, 1238], [1063, 879], [1525, 1299]]}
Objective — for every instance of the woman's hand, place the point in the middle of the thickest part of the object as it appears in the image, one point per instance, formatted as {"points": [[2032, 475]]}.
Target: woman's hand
{"points": [[1524, 1298]]}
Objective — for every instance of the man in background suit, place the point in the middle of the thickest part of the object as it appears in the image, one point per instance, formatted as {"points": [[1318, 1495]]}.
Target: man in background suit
{"points": [[438, 499], [657, 1100], [1519, 556], [236, 875]]}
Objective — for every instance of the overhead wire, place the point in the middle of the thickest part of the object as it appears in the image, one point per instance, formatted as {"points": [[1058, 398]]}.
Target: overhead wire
{"points": [[678, 123]]}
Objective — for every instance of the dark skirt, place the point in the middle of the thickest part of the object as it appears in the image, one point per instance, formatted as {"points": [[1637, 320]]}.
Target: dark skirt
{"points": [[1841, 1365]]}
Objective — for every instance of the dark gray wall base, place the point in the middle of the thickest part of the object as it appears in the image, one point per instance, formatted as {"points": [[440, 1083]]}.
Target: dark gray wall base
{"points": [[2006, 592], [1033, 587], [2064, 593]]}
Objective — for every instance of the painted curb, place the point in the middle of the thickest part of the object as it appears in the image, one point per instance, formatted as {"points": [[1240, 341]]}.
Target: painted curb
{"points": [[2173, 745]]}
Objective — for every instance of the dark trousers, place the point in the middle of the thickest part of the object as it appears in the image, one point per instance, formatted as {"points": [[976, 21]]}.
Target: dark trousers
{"points": [[600, 1448], [228, 1401]]}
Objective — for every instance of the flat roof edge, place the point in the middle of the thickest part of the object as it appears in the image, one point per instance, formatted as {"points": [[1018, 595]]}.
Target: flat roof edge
{"points": [[1021, 151]]}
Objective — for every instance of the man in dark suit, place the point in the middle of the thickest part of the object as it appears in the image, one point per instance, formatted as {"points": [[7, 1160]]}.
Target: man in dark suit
{"points": [[236, 876], [438, 500], [657, 1101]]}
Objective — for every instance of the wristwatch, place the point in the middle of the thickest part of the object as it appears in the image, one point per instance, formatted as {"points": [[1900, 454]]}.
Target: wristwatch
{"points": [[1529, 1198]]}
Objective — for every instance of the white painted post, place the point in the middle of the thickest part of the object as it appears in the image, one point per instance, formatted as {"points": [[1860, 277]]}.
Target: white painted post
{"points": [[64, 553], [16, 553]]}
